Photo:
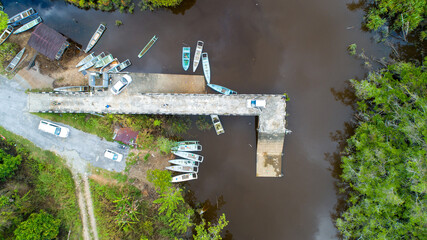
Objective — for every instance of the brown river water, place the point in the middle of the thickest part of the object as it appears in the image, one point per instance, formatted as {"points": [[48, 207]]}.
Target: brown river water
{"points": [[275, 46]]}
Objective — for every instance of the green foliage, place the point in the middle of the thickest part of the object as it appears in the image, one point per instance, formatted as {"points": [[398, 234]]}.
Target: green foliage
{"points": [[8, 164], [161, 3], [3, 20], [127, 213], [164, 145], [213, 232], [385, 162], [104, 5], [161, 179], [118, 23], [169, 201], [203, 124], [7, 53], [403, 15], [38, 226], [352, 49]]}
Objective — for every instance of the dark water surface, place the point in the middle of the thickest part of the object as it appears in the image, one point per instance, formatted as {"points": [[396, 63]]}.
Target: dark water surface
{"points": [[274, 46]]}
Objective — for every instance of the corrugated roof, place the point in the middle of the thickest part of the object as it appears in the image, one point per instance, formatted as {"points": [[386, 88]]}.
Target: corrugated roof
{"points": [[126, 136], [46, 41]]}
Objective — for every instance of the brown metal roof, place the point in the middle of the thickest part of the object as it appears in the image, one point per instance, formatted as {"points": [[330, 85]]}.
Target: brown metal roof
{"points": [[46, 41], [126, 135]]}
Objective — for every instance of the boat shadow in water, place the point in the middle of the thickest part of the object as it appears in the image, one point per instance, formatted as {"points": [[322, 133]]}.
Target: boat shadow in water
{"points": [[184, 6]]}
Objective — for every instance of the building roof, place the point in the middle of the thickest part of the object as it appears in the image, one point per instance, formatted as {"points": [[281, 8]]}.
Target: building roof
{"points": [[126, 136], [47, 41]]}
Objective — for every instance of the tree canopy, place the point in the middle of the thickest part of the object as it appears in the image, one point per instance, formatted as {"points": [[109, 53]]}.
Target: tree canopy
{"points": [[38, 226], [3, 20], [402, 15], [164, 3], [8, 164], [385, 162]]}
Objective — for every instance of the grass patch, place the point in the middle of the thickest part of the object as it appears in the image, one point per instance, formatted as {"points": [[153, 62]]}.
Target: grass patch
{"points": [[46, 183]]}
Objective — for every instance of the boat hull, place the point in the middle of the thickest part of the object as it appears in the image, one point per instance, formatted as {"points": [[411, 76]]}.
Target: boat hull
{"points": [[206, 67], [29, 25], [197, 54], [188, 155], [222, 89], [217, 124], [86, 59], [184, 177], [92, 62], [16, 20], [183, 169], [15, 61], [6, 34], [148, 46], [95, 37], [185, 162], [186, 53], [187, 148]]}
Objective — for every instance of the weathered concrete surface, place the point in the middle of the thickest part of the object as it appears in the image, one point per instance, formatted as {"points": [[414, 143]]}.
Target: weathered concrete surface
{"points": [[271, 129], [163, 83]]}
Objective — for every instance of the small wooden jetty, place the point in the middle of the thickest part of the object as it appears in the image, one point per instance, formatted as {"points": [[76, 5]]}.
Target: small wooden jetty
{"points": [[148, 46]]}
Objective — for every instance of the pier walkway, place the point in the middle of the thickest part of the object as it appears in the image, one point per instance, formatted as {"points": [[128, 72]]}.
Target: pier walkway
{"points": [[271, 124]]}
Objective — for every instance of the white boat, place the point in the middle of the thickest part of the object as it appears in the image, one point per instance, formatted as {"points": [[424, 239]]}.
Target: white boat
{"points": [[110, 65], [16, 20], [184, 177], [187, 142], [6, 34], [197, 54], [15, 61], [189, 155], [104, 61], [120, 67], [29, 25], [92, 62], [184, 162], [96, 36], [85, 60], [206, 67], [187, 148], [217, 124], [185, 169]]}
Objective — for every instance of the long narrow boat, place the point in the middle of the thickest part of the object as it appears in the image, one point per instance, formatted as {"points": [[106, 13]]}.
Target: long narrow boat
{"points": [[188, 155], [120, 67], [187, 142], [186, 53], [197, 54], [217, 124], [184, 177], [15, 20], [148, 46], [86, 59], [187, 148], [185, 169], [92, 62], [110, 65], [206, 67], [6, 34], [104, 61], [184, 162], [29, 25], [72, 89], [96, 36], [15, 61], [222, 89]]}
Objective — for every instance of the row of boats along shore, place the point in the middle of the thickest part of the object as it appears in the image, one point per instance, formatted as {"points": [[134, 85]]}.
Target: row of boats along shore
{"points": [[188, 163], [19, 23]]}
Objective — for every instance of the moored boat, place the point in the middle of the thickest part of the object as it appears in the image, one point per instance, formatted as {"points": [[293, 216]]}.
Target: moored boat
{"points": [[6, 33], [148, 46], [197, 54], [29, 25], [110, 65], [15, 61], [217, 124], [96, 36], [187, 148], [92, 62], [16, 20], [187, 142], [185, 169], [186, 53], [104, 61], [184, 177], [222, 89], [86, 59], [120, 67], [206, 67], [189, 155], [185, 162], [72, 89]]}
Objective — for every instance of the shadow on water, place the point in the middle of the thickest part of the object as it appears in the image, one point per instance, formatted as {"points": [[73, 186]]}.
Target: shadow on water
{"points": [[346, 96], [184, 6], [353, 6]]}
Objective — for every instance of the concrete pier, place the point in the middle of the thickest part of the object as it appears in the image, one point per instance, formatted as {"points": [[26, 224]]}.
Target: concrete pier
{"points": [[271, 127]]}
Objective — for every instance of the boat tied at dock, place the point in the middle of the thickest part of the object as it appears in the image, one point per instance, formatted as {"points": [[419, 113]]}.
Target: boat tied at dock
{"points": [[197, 54], [95, 37]]}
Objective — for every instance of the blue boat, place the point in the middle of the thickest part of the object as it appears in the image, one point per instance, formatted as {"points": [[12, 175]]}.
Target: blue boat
{"points": [[17, 19], [186, 57], [222, 89]]}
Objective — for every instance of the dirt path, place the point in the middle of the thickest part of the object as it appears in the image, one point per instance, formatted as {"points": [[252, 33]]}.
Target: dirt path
{"points": [[82, 206], [89, 205]]}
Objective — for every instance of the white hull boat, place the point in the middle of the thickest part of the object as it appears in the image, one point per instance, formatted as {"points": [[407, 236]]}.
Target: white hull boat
{"points": [[184, 162], [184, 169], [188, 148], [197, 54], [217, 124], [184, 177], [206, 67], [188, 155]]}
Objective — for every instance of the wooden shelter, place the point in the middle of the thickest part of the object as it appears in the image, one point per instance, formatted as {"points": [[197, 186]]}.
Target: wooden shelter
{"points": [[48, 42]]}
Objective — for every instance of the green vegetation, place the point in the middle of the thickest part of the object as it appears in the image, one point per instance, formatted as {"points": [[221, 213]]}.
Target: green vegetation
{"points": [[118, 23], [7, 50], [402, 15], [3, 20], [203, 123], [38, 226], [352, 49], [213, 232], [40, 185], [8, 164], [384, 167], [105, 5], [161, 3]]}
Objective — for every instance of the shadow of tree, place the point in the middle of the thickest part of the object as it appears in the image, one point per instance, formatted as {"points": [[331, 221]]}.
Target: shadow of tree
{"points": [[184, 6], [347, 96]]}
